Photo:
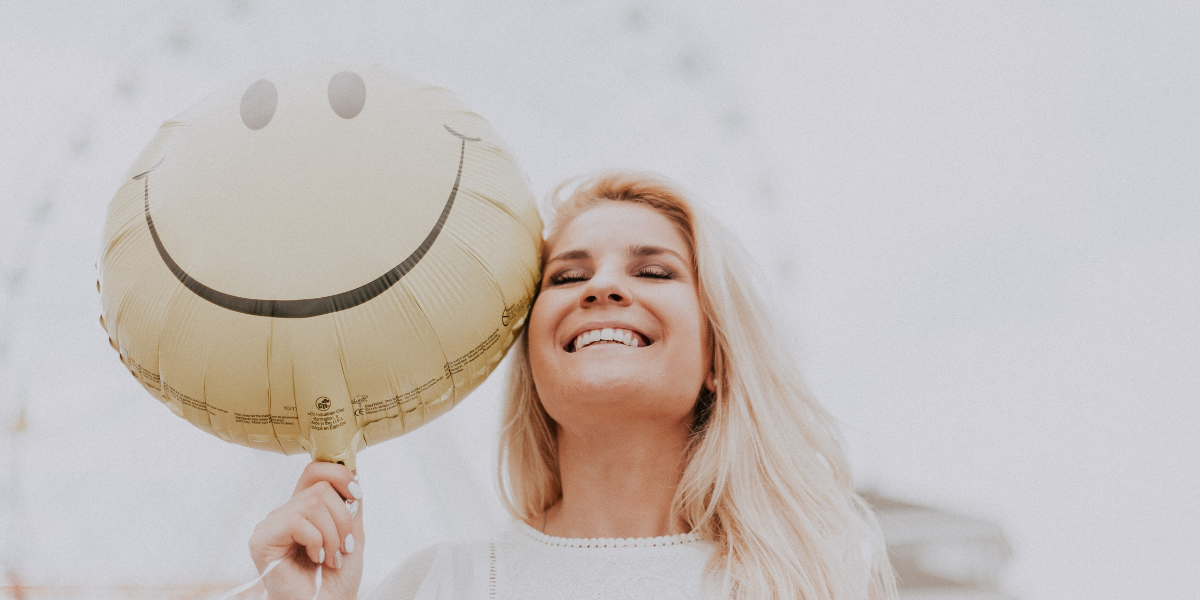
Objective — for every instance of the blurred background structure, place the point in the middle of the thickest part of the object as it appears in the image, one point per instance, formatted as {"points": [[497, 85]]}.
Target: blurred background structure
{"points": [[939, 555], [980, 223]]}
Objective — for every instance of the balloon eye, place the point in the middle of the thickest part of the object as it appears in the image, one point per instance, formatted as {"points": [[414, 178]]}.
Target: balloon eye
{"points": [[258, 104], [347, 94]]}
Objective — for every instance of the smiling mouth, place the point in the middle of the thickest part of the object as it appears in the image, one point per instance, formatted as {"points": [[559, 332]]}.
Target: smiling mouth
{"points": [[608, 335], [307, 307]]}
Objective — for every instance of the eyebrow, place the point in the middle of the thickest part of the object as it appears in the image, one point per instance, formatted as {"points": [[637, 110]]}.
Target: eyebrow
{"points": [[635, 251], [641, 251], [570, 255]]}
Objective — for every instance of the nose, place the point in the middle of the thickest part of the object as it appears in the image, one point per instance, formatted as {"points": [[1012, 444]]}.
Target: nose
{"points": [[604, 289]]}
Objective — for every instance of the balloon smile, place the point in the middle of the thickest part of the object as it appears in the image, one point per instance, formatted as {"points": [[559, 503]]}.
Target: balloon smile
{"points": [[307, 307]]}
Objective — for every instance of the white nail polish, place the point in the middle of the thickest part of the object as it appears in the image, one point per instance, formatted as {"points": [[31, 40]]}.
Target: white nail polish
{"points": [[349, 545], [337, 560], [321, 556], [353, 507], [355, 490]]}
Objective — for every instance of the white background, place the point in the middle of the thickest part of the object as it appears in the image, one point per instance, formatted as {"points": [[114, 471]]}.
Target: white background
{"points": [[980, 219]]}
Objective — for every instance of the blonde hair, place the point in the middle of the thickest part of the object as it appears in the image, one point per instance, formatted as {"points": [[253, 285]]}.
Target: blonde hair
{"points": [[766, 479]]}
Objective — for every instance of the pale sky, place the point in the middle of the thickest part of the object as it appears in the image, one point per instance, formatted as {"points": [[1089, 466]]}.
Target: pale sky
{"points": [[980, 223]]}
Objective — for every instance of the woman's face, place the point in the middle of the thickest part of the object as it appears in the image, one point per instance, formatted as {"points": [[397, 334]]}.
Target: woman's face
{"points": [[617, 332]]}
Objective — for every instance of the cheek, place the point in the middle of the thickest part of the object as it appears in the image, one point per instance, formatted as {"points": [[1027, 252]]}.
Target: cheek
{"points": [[541, 336], [701, 357], [541, 322], [690, 320]]}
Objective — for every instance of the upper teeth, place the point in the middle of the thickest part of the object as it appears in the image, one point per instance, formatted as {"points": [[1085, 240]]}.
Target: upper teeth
{"points": [[607, 334]]}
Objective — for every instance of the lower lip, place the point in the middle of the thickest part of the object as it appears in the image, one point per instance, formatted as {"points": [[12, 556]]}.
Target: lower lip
{"points": [[614, 344]]}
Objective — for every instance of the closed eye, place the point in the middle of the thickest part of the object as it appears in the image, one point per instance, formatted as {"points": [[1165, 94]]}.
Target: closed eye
{"points": [[568, 276], [655, 272]]}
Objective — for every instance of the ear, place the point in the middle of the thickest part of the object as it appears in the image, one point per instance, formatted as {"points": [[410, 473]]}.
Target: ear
{"points": [[710, 382]]}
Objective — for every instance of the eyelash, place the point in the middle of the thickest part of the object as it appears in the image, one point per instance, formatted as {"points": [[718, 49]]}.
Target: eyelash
{"points": [[569, 276], [656, 272], [573, 275]]}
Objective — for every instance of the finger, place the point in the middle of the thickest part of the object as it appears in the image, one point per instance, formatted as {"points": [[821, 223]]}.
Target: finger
{"points": [[342, 510], [277, 535], [356, 509], [317, 511], [341, 478], [308, 534], [339, 511]]}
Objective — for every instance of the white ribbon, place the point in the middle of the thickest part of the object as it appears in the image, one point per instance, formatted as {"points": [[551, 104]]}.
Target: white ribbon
{"points": [[275, 563]]}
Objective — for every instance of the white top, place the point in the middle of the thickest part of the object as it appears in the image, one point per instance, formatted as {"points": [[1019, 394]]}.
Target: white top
{"points": [[524, 564]]}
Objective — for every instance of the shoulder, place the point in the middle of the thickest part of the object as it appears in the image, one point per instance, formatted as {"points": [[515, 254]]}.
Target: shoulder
{"points": [[439, 572]]}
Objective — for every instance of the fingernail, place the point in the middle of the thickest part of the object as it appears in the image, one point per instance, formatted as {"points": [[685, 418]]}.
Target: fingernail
{"points": [[337, 560], [321, 556], [353, 509], [349, 545], [355, 490]]}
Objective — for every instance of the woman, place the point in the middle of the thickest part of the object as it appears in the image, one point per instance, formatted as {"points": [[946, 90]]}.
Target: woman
{"points": [[656, 441]]}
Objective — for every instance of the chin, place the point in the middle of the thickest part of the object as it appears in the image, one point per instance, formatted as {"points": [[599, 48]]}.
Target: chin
{"points": [[598, 397], [598, 386]]}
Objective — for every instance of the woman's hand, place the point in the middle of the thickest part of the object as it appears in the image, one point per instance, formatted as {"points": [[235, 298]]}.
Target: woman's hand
{"points": [[316, 525]]}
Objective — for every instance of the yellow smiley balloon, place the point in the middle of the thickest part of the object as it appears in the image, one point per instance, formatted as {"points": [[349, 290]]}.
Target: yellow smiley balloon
{"points": [[319, 259]]}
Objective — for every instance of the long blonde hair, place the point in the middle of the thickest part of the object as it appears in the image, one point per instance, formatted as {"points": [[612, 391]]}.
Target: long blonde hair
{"points": [[766, 479]]}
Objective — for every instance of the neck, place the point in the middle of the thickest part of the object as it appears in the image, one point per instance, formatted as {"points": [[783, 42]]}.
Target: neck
{"points": [[618, 481]]}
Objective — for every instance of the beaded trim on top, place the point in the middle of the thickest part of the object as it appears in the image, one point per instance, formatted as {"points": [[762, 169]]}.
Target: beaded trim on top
{"points": [[666, 540]]}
